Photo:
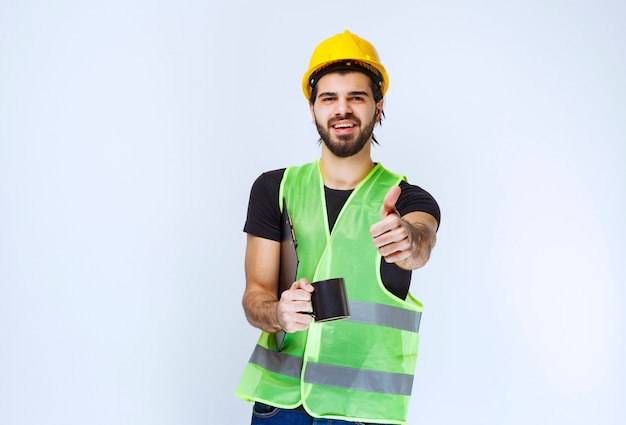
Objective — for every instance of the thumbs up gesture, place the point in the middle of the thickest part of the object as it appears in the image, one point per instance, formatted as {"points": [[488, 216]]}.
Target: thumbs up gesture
{"points": [[391, 235]]}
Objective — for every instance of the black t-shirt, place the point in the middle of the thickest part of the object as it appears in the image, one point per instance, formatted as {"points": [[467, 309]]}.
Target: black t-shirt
{"points": [[263, 219]]}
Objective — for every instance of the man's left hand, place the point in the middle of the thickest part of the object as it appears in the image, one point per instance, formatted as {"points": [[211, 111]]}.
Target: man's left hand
{"points": [[390, 234]]}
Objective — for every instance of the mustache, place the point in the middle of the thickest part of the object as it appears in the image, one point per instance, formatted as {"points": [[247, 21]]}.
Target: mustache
{"points": [[350, 117]]}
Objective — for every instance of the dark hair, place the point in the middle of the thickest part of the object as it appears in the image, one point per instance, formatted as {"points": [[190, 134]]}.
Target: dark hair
{"points": [[374, 85]]}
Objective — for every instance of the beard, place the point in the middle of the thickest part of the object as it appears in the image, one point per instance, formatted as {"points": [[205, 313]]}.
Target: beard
{"points": [[345, 145]]}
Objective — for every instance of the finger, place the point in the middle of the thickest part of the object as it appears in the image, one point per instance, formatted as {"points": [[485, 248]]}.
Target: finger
{"points": [[396, 256], [301, 307], [386, 247], [395, 251], [304, 318], [299, 323], [302, 284], [388, 235], [389, 203], [386, 224], [296, 295]]}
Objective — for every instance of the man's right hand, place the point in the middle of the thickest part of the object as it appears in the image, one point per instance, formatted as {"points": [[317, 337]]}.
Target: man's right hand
{"points": [[294, 305]]}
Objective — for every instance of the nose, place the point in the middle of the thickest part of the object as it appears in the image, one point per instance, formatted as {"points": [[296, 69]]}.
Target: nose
{"points": [[343, 106]]}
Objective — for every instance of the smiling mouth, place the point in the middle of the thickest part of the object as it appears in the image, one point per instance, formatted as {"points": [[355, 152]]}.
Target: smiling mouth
{"points": [[341, 126]]}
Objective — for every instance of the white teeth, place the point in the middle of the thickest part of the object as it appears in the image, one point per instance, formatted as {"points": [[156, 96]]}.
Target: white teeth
{"points": [[343, 126]]}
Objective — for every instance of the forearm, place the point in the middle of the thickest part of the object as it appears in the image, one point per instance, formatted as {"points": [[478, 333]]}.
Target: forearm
{"points": [[260, 308]]}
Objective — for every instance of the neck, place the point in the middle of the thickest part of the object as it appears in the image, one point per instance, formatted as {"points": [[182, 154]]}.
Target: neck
{"points": [[345, 173]]}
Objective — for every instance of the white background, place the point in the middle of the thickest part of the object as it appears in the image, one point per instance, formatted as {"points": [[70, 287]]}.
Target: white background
{"points": [[131, 132]]}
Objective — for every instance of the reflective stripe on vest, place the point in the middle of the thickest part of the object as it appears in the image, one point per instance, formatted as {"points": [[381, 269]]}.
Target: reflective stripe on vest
{"points": [[275, 361], [385, 315], [359, 379], [337, 376]]}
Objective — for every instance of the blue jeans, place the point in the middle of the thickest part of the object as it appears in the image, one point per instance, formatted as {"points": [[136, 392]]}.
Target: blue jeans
{"points": [[262, 414]]}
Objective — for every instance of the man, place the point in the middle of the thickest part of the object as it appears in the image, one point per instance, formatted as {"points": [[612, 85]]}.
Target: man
{"points": [[352, 219]]}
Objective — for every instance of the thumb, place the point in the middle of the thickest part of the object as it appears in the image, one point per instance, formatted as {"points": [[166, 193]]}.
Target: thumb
{"points": [[389, 204], [302, 284]]}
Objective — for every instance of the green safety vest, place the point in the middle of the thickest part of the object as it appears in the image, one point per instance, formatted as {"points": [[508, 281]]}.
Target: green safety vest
{"points": [[359, 369]]}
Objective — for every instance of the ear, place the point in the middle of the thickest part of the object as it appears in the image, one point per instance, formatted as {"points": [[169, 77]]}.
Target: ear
{"points": [[379, 109], [312, 112]]}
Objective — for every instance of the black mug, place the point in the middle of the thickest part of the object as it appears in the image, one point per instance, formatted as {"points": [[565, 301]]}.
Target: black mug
{"points": [[329, 300]]}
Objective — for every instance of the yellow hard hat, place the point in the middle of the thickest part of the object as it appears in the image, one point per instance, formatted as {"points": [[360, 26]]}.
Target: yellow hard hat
{"points": [[345, 50]]}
